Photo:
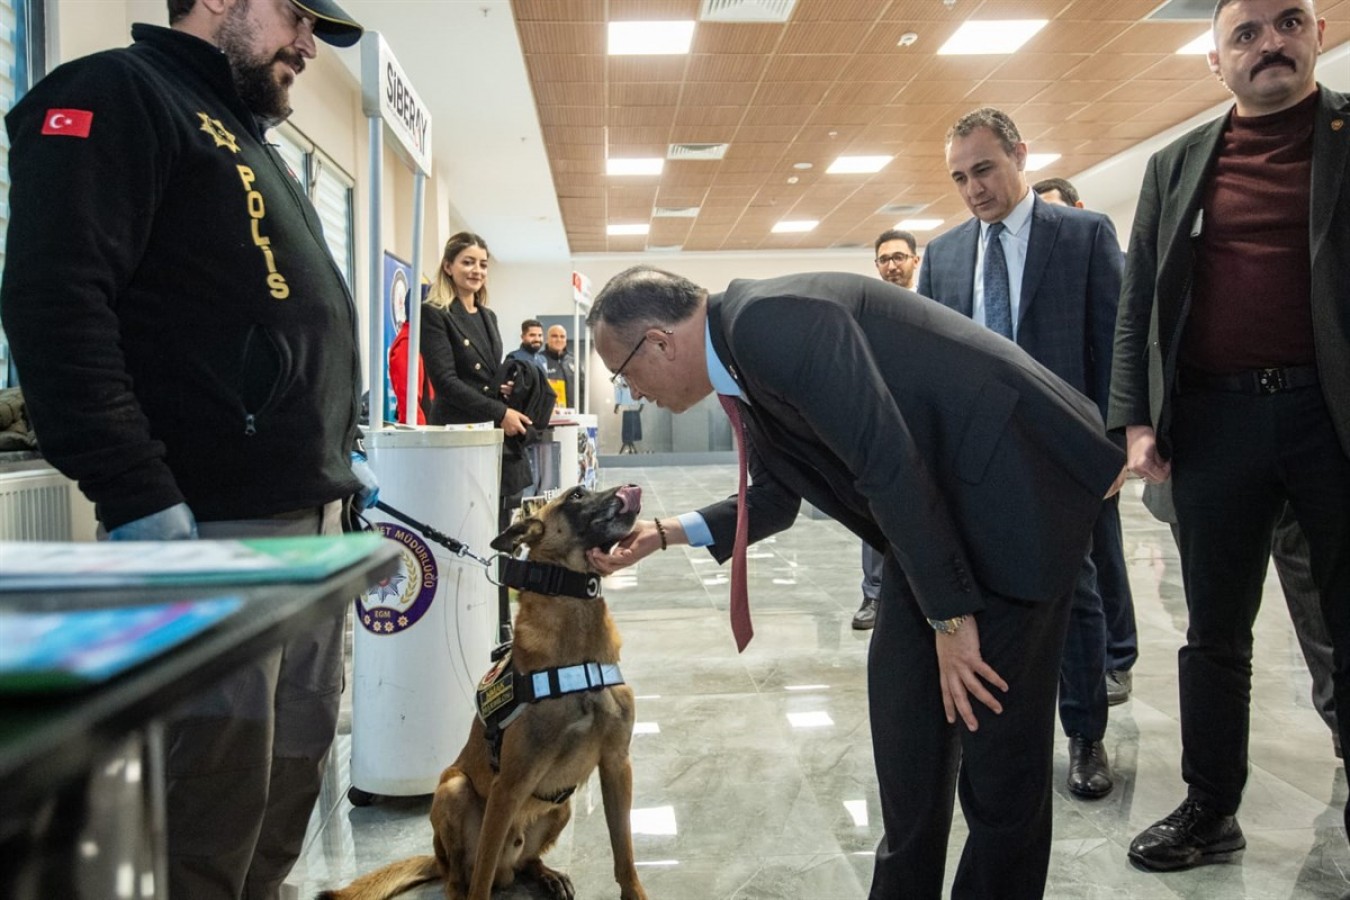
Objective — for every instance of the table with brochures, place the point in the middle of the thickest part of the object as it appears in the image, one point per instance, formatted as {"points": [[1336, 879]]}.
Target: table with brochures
{"points": [[97, 643]]}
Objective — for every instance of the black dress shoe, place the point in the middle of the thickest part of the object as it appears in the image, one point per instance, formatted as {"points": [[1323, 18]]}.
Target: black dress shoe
{"points": [[1191, 836], [866, 616], [1089, 772]]}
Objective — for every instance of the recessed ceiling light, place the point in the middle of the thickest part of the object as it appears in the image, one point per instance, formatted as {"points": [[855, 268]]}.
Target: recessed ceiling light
{"points": [[919, 224], [1200, 46], [794, 226], [636, 165], [1038, 161], [649, 38], [858, 165], [803, 166], [991, 36], [633, 228]]}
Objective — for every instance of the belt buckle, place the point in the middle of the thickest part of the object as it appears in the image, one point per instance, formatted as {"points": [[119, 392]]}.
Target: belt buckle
{"points": [[1270, 381]]}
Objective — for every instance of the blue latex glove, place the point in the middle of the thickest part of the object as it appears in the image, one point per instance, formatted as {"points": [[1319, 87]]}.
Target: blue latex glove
{"points": [[370, 485], [173, 524]]}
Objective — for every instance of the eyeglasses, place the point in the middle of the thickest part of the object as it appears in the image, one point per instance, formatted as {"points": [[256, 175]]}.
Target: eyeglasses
{"points": [[617, 379], [884, 261]]}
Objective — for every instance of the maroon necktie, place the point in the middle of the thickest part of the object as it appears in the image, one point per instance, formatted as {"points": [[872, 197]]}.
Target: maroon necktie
{"points": [[740, 597]]}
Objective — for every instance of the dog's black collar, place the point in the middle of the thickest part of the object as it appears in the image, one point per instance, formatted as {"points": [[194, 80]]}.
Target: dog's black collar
{"points": [[546, 578]]}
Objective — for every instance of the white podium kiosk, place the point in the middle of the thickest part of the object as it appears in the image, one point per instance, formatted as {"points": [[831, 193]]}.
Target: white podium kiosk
{"points": [[423, 638]]}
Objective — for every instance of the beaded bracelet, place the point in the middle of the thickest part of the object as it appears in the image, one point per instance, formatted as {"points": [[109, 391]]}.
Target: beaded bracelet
{"points": [[661, 530]]}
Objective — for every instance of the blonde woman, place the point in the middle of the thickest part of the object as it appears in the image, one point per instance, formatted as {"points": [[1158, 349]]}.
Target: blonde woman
{"points": [[461, 346]]}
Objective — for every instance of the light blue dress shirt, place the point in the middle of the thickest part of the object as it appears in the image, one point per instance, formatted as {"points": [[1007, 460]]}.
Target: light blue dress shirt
{"points": [[695, 528]]}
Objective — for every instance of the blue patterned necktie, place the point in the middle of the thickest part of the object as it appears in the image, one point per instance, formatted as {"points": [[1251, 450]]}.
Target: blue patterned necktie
{"points": [[997, 295]]}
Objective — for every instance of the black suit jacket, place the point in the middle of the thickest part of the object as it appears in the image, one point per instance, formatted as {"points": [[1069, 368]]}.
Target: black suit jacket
{"points": [[460, 366], [913, 426], [1070, 287], [1156, 296]]}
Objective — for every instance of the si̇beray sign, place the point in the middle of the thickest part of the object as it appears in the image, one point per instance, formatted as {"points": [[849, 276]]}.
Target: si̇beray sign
{"points": [[387, 94]]}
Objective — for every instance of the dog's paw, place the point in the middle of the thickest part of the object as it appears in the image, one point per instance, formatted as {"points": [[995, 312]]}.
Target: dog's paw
{"points": [[556, 884]]}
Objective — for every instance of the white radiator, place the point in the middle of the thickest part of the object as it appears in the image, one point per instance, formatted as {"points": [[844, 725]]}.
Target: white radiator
{"points": [[38, 503]]}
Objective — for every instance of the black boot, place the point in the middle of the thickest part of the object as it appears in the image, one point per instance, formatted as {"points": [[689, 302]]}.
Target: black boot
{"points": [[1192, 835]]}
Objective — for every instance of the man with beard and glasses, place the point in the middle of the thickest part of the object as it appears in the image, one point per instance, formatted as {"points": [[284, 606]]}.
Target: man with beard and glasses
{"points": [[188, 352], [1231, 381]]}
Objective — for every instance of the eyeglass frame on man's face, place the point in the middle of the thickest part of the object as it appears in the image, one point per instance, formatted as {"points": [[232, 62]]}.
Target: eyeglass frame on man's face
{"points": [[898, 258], [618, 379]]}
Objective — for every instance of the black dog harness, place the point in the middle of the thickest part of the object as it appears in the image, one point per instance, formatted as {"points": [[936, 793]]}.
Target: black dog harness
{"points": [[503, 692]]}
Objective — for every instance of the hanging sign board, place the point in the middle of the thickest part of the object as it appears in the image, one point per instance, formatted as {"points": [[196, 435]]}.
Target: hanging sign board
{"points": [[387, 94]]}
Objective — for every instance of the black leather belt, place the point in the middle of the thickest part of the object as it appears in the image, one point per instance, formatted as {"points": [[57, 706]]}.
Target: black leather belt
{"points": [[1256, 382]]}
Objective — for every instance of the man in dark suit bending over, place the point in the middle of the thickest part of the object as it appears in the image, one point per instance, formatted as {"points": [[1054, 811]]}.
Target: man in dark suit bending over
{"points": [[979, 470]]}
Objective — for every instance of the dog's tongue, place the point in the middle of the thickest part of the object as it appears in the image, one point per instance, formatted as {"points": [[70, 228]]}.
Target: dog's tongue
{"points": [[630, 496]]}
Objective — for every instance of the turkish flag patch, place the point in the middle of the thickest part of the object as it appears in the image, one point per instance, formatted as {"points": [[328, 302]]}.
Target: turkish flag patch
{"points": [[68, 122]]}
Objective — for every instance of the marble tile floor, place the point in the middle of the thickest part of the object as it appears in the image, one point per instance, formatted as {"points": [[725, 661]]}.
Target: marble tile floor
{"points": [[753, 774]]}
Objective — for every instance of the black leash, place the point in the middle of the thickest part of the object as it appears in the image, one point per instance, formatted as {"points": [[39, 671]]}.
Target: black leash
{"points": [[521, 574], [459, 548]]}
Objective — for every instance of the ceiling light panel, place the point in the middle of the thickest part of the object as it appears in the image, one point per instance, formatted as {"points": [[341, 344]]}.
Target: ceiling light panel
{"points": [[650, 38], [622, 230], [991, 36], [795, 226], [858, 165], [919, 224], [1198, 47], [1038, 161], [638, 165]]}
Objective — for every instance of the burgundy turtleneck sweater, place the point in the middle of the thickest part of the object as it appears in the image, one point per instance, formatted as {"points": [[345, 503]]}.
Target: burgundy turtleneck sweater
{"points": [[1252, 300]]}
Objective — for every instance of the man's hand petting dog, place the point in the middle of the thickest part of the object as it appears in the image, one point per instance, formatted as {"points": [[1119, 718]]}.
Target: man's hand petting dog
{"points": [[641, 542]]}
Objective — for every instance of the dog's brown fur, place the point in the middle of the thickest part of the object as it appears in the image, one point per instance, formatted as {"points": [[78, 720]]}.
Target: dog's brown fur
{"points": [[490, 827]]}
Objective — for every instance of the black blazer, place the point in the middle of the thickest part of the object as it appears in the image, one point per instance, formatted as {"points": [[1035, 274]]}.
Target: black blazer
{"points": [[461, 369], [1156, 296], [913, 426], [1070, 287]]}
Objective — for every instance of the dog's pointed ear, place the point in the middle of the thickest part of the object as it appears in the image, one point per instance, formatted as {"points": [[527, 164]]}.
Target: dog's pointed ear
{"points": [[527, 531]]}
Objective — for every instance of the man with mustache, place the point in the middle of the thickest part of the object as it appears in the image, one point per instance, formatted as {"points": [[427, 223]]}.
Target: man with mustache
{"points": [[1231, 378], [188, 352]]}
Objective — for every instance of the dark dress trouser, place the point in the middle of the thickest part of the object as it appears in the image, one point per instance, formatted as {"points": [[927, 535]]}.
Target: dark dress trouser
{"points": [[1113, 583], [246, 757], [1002, 772], [1236, 459]]}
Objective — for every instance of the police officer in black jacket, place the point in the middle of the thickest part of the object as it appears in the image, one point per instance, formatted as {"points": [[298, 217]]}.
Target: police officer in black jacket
{"points": [[188, 352]]}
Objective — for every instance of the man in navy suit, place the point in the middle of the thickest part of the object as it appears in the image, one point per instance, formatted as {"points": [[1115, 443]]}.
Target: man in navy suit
{"points": [[1108, 552], [1048, 278]]}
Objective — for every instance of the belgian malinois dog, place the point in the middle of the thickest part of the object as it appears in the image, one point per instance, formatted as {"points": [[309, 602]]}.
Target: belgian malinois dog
{"points": [[493, 818]]}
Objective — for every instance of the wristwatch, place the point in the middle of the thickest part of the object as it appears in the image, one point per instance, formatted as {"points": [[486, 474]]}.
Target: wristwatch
{"points": [[947, 626]]}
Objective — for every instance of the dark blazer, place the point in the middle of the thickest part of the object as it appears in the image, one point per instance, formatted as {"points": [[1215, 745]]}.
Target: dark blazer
{"points": [[1070, 287], [1156, 297], [461, 369], [913, 426]]}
